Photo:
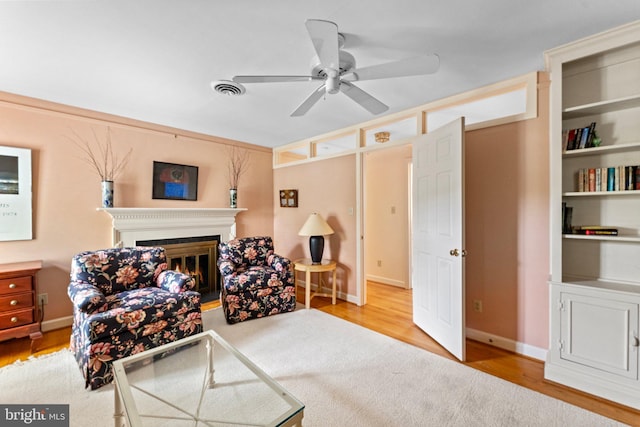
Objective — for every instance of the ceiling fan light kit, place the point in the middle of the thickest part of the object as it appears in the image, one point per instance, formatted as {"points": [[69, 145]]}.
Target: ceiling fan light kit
{"points": [[382, 136], [337, 71]]}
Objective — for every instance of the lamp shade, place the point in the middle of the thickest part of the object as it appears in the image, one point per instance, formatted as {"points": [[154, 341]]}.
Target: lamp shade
{"points": [[315, 226]]}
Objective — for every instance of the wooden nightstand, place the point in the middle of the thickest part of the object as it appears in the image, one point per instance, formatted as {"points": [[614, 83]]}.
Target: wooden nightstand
{"points": [[308, 267], [19, 313]]}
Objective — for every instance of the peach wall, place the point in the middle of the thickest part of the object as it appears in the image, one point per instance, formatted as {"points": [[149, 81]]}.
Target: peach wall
{"points": [[386, 215], [327, 187], [66, 192], [507, 228]]}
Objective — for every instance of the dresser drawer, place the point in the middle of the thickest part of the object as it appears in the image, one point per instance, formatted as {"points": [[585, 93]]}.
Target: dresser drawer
{"points": [[16, 302], [15, 285], [16, 318]]}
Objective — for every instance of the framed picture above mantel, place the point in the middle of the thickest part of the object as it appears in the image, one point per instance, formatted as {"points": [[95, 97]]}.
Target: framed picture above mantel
{"points": [[174, 181]]}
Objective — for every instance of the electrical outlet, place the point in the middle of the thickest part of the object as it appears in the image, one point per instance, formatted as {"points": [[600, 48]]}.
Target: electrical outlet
{"points": [[477, 305], [379, 263], [43, 299]]}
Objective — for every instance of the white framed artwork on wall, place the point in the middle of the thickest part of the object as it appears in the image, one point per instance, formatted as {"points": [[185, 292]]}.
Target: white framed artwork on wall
{"points": [[15, 194]]}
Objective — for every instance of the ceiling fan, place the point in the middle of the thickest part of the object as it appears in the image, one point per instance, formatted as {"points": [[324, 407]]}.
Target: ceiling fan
{"points": [[337, 70]]}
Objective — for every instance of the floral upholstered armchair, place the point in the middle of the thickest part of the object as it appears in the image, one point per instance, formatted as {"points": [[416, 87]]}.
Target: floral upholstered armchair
{"points": [[255, 281], [125, 301]]}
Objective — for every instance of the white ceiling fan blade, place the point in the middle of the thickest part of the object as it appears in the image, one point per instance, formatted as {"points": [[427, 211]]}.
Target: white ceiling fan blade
{"points": [[274, 79], [367, 101], [309, 102], [419, 65], [324, 36]]}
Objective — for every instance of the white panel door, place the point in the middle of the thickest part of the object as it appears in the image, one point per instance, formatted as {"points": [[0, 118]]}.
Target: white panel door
{"points": [[438, 236]]}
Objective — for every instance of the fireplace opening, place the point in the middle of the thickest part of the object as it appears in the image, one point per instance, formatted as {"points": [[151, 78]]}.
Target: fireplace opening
{"points": [[195, 256]]}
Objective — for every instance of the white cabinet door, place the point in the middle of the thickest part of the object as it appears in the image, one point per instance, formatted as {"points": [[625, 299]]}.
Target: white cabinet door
{"points": [[599, 333]]}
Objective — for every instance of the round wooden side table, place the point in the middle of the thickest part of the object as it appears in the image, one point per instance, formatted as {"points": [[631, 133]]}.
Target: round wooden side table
{"points": [[309, 267]]}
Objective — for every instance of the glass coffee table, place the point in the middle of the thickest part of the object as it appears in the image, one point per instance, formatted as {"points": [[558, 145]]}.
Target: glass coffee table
{"points": [[199, 381]]}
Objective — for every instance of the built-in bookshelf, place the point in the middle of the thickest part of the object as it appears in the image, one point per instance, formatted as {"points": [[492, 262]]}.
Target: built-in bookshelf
{"points": [[595, 215]]}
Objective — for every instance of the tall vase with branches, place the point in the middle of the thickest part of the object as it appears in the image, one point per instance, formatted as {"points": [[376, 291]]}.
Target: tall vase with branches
{"points": [[104, 161], [237, 166]]}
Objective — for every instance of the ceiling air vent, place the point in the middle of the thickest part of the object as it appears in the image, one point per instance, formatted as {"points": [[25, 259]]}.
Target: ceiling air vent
{"points": [[227, 87]]}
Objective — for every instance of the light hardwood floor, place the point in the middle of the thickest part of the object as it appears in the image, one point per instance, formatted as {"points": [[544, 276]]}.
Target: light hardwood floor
{"points": [[389, 312]]}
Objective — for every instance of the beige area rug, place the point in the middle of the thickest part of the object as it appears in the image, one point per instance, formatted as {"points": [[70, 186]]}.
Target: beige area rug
{"points": [[345, 375]]}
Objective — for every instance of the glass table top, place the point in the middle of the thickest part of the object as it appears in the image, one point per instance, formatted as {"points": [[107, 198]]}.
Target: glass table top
{"points": [[200, 381]]}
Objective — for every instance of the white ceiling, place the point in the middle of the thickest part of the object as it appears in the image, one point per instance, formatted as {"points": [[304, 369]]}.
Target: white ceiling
{"points": [[154, 60]]}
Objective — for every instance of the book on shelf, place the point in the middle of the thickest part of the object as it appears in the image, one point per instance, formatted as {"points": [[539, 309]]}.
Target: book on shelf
{"points": [[592, 179], [592, 134], [584, 137], [611, 232], [567, 212], [631, 177], [611, 179], [595, 230]]}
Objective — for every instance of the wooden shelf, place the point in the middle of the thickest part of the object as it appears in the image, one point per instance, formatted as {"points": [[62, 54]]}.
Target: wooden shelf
{"points": [[601, 107]]}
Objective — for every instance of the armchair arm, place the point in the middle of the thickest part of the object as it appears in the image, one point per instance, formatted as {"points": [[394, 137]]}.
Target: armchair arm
{"points": [[279, 263], [226, 266], [174, 281], [86, 297]]}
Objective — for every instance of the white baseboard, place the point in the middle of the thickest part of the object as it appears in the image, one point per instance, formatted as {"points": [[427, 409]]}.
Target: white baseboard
{"points": [[61, 322], [387, 281], [507, 344]]}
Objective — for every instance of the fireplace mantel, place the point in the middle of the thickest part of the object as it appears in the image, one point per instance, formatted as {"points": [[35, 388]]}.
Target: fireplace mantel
{"points": [[135, 224]]}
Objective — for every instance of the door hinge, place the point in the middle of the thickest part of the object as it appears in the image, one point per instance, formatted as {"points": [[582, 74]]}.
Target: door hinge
{"points": [[560, 305], [561, 345]]}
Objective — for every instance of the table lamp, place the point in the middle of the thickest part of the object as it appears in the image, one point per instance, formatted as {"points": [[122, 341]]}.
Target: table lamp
{"points": [[317, 228]]}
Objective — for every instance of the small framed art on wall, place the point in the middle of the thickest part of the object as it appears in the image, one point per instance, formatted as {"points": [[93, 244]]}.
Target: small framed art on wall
{"points": [[288, 198]]}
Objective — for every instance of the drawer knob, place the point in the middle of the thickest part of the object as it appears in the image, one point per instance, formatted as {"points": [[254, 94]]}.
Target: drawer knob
{"points": [[14, 320], [12, 286], [14, 302]]}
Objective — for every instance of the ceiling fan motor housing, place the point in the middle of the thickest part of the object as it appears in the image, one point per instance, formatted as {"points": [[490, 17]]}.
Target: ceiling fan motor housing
{"points": [[347, 63]]}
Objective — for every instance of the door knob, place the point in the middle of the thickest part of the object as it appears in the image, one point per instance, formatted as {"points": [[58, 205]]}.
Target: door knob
{"points": [[454, 252]]}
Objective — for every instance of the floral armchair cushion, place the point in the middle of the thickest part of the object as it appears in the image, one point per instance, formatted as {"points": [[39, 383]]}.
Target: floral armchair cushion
{"points": [[126, 301], [256, 281]]}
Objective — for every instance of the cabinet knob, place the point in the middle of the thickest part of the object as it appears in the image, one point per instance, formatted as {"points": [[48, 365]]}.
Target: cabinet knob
{"points": [[12, 286], [14, 320], [14, 302]]}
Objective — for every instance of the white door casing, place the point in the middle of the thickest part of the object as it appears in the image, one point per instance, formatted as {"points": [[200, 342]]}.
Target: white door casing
{"points": [[438, 236]]}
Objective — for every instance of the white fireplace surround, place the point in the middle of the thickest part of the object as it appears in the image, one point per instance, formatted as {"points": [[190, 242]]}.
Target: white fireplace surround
{"points": [[131, 225]]}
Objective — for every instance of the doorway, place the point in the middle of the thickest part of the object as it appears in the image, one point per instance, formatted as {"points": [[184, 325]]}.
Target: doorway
{"points": [[387, 218]]}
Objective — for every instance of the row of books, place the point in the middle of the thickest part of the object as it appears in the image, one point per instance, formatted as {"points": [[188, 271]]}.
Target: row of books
{"points": [[588, 230], [618, 178], [575, 139]]}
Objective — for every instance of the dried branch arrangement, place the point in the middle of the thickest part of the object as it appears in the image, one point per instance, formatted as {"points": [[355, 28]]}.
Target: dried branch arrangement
{"points": [[238, 164], [102, 158]]}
